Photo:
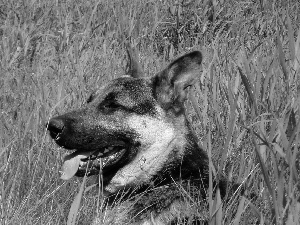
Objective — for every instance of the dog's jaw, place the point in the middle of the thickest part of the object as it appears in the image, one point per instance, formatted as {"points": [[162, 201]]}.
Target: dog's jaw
{"points": [[82, 163]]}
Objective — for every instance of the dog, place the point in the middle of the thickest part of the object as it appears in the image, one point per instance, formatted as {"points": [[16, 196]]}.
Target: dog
{"points": [[137, 128]]}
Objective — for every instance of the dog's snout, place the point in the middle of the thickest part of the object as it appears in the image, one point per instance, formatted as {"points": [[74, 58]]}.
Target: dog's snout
{"points": [[55, 126]]}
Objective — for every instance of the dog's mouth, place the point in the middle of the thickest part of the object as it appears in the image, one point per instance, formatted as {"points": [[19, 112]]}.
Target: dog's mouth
{"points": [[88, 163]]}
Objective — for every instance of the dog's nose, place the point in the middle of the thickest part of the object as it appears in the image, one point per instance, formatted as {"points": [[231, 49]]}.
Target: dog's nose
{"points": [[55, 126]]}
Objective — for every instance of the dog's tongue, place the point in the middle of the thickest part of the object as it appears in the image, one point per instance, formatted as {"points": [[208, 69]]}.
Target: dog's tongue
{"points": [[71, 164]]}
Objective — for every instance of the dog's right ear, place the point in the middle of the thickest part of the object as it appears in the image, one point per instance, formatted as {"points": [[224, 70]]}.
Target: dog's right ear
{"points": [[133, 68], [170, 85]]}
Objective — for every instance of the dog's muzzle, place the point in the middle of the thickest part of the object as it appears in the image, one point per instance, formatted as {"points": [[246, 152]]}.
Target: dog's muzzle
{"points": [[55, 127], [83, 162]]}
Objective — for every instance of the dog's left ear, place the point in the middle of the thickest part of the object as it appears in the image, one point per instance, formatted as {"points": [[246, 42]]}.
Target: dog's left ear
{"points": [[133, 68], [170, 85]]}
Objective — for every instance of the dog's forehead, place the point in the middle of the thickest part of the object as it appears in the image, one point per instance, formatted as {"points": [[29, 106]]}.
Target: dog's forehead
{"points": [[124, 86]]}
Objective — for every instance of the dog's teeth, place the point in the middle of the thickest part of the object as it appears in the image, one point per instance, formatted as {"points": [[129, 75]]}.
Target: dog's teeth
{"points": [[108, 149], [81, 163]]}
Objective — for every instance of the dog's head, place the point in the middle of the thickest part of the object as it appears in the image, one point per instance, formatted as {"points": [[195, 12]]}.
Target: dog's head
{"points": [[130, 127]]}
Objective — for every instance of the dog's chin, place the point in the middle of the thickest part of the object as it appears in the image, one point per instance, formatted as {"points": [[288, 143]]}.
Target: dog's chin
{"points": [[81, 163]]}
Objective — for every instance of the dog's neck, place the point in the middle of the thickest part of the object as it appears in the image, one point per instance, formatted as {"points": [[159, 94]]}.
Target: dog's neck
{"points": [[186, 161], [191, 165]]}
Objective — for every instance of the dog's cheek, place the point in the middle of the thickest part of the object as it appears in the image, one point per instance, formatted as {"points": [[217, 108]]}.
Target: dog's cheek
{"points": [[149, 130]]}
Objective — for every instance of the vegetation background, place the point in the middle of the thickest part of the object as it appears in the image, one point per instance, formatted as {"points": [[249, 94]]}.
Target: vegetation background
{"points": [[245, 107]]}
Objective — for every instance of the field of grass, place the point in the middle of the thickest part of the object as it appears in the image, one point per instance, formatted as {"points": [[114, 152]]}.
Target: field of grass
{"points": [[245, 108]]}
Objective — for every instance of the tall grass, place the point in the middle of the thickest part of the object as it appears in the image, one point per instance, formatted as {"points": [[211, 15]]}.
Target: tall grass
{"points": [[245, 107]]}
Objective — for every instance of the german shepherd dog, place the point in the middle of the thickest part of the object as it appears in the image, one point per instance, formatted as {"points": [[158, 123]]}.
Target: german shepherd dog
{"points": [[137, 128]]}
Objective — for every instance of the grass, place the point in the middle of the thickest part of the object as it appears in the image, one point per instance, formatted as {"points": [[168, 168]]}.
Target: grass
{"points": [[245, 107]]}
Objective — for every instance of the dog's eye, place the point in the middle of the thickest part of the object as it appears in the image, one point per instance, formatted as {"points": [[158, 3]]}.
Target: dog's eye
{"points": [[90, 99], [109, 106], [112, 105]]}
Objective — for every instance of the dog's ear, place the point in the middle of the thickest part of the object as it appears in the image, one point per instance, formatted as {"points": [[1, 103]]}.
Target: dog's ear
{"points": [[170, 85], [133, 68]]}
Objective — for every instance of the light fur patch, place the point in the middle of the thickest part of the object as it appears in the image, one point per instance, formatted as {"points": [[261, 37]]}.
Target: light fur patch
{"points": [[157, 139]]}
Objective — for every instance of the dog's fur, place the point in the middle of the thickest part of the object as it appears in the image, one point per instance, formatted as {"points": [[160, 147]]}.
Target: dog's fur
{"points": [[137, 126]]}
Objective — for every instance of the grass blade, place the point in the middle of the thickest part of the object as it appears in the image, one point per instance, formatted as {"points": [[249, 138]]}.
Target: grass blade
{"points": [[239, 211], [265, 176], [76, 204], [281, 57], [291, 37], [249, 89], [233, 105], [219, 213], [297, 53]]}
